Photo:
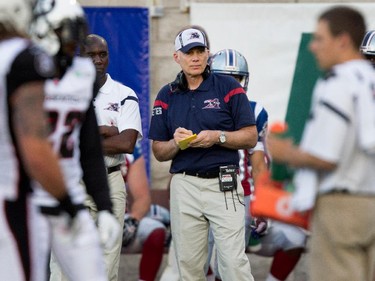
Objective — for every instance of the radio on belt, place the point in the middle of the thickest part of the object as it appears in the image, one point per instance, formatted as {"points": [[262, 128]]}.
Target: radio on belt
{"points": [[228, 178]]}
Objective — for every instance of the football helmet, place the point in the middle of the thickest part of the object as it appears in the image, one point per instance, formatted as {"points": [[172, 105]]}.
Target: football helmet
{"points": [[16, 15], [368, 46], [231, 62], [58, 24]]}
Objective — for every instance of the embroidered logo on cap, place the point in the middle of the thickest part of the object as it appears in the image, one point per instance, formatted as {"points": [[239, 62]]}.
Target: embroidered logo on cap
{"points": [[194, 35]]}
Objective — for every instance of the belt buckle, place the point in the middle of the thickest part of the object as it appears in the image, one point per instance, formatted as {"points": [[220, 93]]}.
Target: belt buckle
{"points": [[113, 169]]}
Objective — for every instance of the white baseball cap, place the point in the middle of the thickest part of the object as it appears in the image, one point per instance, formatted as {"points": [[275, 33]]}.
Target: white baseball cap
{"points": [[190, 38]]}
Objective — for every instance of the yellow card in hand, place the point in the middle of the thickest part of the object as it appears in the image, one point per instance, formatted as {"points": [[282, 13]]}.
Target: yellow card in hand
{"points": [[183, 144]]}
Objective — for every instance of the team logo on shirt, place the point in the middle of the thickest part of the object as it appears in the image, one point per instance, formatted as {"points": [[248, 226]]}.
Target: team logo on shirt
{"points": [[112, 107], [212, 104]]}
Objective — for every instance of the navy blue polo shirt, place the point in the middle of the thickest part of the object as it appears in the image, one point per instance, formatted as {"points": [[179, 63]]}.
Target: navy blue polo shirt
{"points": [[219, 103]]}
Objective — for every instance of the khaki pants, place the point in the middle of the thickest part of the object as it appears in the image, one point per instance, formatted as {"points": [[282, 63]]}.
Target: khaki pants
{"points": [[196, 205], [343, 238], [118, 198]]}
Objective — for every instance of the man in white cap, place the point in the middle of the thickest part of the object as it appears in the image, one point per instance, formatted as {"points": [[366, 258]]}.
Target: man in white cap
{"points": [[205, 187]]}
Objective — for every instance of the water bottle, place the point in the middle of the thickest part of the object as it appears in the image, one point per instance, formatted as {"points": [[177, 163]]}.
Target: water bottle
{"points": [[279, 172]]}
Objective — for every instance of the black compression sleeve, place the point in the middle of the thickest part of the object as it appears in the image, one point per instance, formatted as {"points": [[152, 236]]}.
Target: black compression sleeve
{"points": [[92, 161]]}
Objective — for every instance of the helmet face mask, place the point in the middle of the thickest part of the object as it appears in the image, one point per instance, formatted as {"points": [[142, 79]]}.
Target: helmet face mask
{"points": [[242, 79], [368, 46], [71, 33], [59, 26], [231, 62]]}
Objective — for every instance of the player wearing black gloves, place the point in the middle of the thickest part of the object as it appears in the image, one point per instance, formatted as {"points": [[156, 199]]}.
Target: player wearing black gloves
{"points": [[26, 155]]}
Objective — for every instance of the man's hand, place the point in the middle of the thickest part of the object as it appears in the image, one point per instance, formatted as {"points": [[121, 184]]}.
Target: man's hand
{"points": [[280, 149], [260, 225], [205, 139], [109, 229], [130, 230], [180, 134]]}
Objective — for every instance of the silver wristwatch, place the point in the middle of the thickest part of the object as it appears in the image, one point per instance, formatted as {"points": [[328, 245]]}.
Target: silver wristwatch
{"points": [[222, 137]]}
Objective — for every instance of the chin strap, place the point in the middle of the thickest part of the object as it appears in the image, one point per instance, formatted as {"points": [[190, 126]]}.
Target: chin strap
{"points": [[63, 62]]}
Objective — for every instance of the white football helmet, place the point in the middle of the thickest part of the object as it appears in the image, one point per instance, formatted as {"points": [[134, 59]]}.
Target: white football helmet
{"points": [[57, 23], [16, 15], [231, 62], [368, 46]]}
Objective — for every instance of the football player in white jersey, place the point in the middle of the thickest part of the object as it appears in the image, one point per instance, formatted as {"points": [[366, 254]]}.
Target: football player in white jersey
{"points": [[25, 152], [283, 242], [60, 29]]}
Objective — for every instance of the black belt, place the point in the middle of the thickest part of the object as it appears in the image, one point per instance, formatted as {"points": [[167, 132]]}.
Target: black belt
{"points": [[204, 175], [348, 192], [338, 191], [55, 211], [113, 169]]}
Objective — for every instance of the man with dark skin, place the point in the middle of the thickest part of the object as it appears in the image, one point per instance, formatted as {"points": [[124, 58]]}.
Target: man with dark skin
{"points": [[119, 120]]}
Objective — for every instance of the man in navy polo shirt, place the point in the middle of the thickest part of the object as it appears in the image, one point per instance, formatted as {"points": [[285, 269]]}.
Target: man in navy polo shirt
{"points": [[215, 108]]}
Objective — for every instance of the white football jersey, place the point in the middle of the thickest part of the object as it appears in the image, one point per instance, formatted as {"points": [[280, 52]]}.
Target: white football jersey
{"points": [[67, 101], [261, 121], [341, 128], [8, 161], [21, 63]]}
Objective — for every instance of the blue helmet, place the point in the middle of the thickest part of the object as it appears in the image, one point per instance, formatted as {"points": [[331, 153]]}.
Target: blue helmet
{"points": [[231, 62], [368, 46]]}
